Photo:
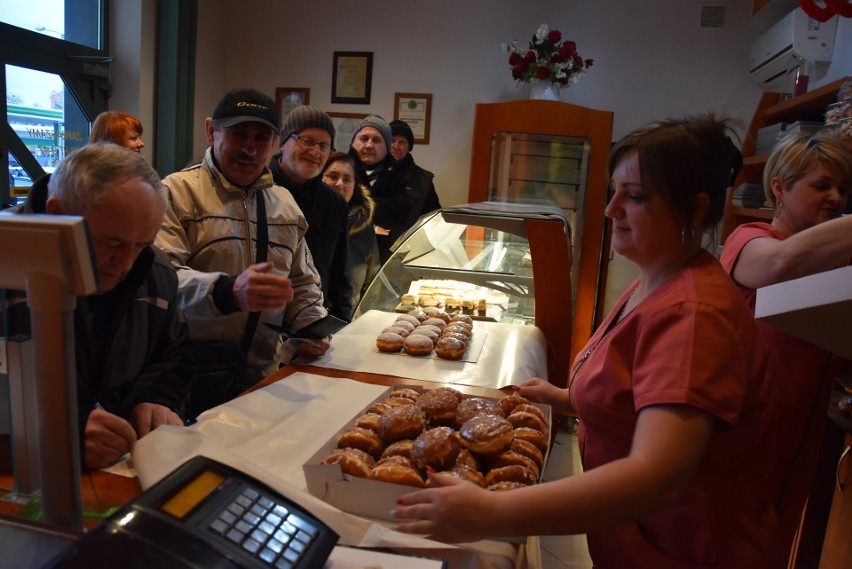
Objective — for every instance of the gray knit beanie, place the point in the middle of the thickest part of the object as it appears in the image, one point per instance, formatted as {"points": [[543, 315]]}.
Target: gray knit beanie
{"points": [[305, 116], [379, 124]]}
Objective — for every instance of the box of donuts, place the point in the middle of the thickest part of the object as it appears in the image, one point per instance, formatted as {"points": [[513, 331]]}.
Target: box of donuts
{"points": [[389, 447]]}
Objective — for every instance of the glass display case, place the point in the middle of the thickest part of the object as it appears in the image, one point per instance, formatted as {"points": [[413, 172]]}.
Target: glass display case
{"points": [[500, 262]]}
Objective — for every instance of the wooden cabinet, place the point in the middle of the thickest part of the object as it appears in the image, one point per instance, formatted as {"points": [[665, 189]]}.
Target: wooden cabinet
{"points": [[837, 548], [771, 110]]}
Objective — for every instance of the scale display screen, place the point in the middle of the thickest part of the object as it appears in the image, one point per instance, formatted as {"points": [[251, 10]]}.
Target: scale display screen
{"points": [[192, 494]]}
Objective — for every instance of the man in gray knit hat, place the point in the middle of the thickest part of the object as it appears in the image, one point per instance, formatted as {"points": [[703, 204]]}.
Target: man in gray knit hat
{"points": [[306, 140], [370, 148]]}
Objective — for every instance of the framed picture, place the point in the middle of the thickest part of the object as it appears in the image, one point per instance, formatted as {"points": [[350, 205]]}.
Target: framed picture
{"points": [[352, 77], [344, 128], [288, 98], [416, 110]]}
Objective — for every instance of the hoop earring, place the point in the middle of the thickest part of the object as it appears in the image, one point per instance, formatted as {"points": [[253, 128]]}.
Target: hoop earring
{"points": [[778, 207]]}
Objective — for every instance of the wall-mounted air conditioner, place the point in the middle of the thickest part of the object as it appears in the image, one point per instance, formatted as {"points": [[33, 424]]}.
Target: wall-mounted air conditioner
{"points": [[776, 54]]}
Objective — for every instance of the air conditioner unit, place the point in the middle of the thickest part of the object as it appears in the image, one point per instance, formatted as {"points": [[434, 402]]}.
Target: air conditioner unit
{"points": [[776, 54]]}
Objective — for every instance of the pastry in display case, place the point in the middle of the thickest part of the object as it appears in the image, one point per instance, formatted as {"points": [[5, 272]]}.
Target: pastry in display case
{"points": [[494, 262]]}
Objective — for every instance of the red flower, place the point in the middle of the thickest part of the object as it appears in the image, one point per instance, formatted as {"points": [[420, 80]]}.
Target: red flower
{"points": [[554, 36], [514, 58], [542, 73], [568, 49], [529, 56]]}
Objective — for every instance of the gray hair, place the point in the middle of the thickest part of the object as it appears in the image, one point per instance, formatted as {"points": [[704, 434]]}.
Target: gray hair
{"points": [[84, 176]]}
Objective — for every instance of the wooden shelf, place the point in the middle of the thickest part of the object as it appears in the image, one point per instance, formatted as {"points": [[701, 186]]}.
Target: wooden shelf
{"points": [[810, 106]]}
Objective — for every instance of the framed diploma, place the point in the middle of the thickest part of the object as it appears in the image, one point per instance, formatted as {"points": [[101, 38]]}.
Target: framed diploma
{"points": [[416, 110], [344, 129], [288, 98], [352, 77]]}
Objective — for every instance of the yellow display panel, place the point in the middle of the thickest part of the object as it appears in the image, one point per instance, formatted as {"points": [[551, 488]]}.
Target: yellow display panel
{"points": [[184, 501]]}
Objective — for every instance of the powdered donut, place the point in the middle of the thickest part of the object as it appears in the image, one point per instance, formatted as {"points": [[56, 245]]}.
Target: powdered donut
{"points": [[418, 345], [437, 322], [389, 342], [411, 319], [450, 348], [398, 330]]}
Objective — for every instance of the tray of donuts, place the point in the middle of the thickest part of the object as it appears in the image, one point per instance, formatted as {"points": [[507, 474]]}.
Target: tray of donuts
{"points": [[388, 449], [419, 334]]}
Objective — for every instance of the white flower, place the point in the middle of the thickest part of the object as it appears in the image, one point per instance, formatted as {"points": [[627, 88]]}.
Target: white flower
{"points": [[542, 32]]}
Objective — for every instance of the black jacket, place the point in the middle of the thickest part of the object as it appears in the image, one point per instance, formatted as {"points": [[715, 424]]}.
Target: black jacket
{"points": [[327, 237], [392, 209], [419, 185], [130, 341]]}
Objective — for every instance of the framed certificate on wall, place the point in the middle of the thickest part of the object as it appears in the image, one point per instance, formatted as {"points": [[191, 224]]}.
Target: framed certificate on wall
{"points": [[351, 77], [416, 110]]}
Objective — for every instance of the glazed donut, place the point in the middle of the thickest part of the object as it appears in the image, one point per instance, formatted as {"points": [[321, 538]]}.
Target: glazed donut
{"points": [[528, 449], [509, 457], [455, 392], [396, 473], [439, 406], [368, 421], [508, 404], [399, 448], [461, 325], [418, 345], [352, 461], [389, 342], [398, 330], [438, 448], [465, 473], [530, 408], [411, 319], [363, 439], [404, 392], [450, 348], [505, 486], [403, 422], [462, 318], [527, 419], [486, 435], [437, 322], [533, 436], [378, 408], [459, 330], [511, 473], [466, 459], [476, 406], [404, 324]]}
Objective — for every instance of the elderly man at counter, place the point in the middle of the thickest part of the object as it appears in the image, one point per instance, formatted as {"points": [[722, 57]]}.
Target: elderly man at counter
{"points": [[130, 334]]}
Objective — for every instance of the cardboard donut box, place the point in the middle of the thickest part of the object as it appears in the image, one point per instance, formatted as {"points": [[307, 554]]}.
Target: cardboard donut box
{"points": [[361, 496]]}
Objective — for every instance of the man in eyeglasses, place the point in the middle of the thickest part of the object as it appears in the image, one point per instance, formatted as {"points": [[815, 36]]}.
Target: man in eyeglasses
{"points": [[306, 140]]}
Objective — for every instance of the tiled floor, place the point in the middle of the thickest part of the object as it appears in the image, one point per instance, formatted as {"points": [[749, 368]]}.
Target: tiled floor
{"points": [[564, 552]]}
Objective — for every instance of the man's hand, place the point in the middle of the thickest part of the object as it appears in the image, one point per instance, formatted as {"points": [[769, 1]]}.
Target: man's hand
{"points": [[146, 417], [317, 350], [256, 289], [107, 438]]}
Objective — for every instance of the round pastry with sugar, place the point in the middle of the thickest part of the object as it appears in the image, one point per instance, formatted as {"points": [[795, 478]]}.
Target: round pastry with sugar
{"points": [[462, 318], [403, 422], [486, 435], [398, 330], [439, 406], [511, 473], [533, 436], [527, 419], [405, 392], [465, 473], [361, 438], [508, 403], [436, 322], [367, 421], [352, 461], [387, 470], [407, 325], [436, 447], [476, 406], [418, 345], [399, 448], [450, 348], [389, 342], [408, 318]]}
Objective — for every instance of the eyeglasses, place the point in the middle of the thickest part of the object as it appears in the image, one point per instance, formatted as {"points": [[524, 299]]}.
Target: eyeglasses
{"points": [[334, 177], [308, 143]]}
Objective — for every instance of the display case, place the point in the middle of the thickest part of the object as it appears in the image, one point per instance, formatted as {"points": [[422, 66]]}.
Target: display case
{"points": [[499, 262]]}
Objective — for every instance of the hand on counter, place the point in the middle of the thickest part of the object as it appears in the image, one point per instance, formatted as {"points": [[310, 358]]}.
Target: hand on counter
{"points": [[107, 438], [314, 348], [146, 417]]}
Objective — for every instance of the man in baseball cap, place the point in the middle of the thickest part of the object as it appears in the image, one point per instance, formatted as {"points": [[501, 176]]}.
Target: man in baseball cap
{"points": [[370, 148], [307, 136], [219, 214]]}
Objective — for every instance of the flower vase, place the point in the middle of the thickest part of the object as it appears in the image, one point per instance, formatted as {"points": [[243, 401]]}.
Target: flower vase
{"points": [[544, 90]]}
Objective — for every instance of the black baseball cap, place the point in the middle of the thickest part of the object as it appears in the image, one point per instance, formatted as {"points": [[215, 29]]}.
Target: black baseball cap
{"points": [[242, 105]]}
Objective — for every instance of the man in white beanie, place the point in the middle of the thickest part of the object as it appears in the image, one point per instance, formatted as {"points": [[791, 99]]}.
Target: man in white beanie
{"points": [[306, 139], [371, 149]]}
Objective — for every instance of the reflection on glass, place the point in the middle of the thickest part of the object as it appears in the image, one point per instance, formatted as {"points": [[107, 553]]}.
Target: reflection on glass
{"points": [[548, 169], [77, 21], [37, 113], [456, 267]]}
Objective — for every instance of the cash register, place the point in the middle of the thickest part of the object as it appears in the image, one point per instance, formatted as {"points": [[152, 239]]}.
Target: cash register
{"points": [[208, 515]]}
